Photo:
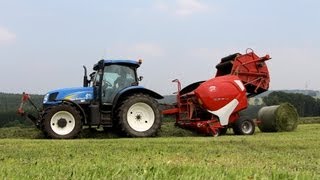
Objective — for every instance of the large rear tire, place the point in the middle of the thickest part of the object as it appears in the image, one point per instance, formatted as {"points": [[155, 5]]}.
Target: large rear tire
{"points": [[139, 116], [62, 122], [244, 126]]}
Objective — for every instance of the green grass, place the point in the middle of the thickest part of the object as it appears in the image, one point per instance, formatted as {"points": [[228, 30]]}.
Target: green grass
{"points": [[286, 155], [309, 120]]}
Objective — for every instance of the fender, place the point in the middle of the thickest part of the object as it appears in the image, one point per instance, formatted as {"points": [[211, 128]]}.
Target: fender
{"points": [[65, 101], [135, 89]]}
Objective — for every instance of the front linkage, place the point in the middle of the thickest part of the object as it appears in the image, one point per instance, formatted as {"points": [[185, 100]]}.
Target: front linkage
{"points": [[36, 119]]}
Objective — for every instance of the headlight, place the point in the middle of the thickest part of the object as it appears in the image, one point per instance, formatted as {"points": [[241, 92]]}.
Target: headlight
{"points": [[45, 99]]}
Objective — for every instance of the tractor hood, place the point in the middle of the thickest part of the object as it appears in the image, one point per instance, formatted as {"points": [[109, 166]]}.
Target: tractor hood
{"points": [[81, 94]]}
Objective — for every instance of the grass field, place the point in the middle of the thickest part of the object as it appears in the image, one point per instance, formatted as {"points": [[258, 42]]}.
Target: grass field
{"points": [[291, 155]]}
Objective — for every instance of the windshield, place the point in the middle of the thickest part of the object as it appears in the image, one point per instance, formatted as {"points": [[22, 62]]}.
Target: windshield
{"points": [[115, 78], [118, 76]]}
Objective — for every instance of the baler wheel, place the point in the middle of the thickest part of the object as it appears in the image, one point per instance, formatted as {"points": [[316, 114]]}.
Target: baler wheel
{"points": [[62, 122], [244, 126], [139, 116]]}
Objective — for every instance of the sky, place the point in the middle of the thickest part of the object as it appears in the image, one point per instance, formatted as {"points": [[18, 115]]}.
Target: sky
{"points": [[43, 44]]}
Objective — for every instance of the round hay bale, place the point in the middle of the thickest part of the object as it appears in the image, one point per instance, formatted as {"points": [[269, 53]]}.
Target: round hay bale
{"points": [[283, 117]]}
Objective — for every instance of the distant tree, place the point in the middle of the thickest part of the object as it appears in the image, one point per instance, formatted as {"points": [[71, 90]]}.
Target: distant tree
{"points": [[312, 93]]}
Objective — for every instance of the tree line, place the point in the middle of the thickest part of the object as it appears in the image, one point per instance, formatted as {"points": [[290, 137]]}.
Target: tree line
{"points": [[306, 106]]}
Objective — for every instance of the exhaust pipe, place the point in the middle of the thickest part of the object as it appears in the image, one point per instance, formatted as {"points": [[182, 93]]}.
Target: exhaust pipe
{"points": [[85, 77]]}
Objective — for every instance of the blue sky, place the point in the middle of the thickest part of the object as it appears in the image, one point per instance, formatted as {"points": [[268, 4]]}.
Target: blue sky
{"points": [[43, 44]]}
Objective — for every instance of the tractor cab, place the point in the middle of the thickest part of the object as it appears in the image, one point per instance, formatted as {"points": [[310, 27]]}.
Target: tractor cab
{"points": [[111, 77]]}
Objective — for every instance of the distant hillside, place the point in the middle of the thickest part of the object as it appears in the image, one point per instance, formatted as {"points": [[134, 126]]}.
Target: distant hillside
{"points": [[170, 99], [313, 93], [11, 102]]}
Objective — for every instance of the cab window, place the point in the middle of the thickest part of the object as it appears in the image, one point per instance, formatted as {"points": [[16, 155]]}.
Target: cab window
{"points": [[116, 78]]}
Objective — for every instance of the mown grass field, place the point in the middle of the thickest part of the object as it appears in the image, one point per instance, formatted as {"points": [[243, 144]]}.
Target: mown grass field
{"points": [[287, 155]]}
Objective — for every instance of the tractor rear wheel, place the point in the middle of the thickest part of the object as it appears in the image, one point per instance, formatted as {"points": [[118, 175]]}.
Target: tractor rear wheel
{"points": [[244, 126], [62, 122], [139, 116]]}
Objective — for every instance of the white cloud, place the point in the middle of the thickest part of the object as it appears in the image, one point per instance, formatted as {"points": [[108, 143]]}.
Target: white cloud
{"points": [[6, 36], [189, 7], [182, 7]]}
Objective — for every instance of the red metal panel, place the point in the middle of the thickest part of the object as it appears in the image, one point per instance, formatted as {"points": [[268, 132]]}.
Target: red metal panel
{"points": [[218, 92]]}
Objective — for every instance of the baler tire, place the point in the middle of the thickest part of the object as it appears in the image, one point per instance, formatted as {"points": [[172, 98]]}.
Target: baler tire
{"points": [[244, 126], [62, 115], [139, 116]]}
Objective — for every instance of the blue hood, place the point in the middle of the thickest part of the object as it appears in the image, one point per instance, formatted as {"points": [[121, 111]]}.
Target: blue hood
{"points": [[73, 94]]}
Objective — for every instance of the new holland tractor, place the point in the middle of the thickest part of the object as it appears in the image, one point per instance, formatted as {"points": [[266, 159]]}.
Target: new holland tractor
{"points": [[111, 97]]}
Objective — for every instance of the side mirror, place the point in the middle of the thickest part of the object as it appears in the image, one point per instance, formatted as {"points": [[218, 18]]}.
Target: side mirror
{"points": [[140, 78]]}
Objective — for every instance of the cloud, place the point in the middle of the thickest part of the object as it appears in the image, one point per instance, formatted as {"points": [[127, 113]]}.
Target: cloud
{"points": [[189, 7], [182, 7], [6, 36]]}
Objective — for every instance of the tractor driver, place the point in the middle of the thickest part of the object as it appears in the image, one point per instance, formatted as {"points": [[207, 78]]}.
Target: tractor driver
{"points": [[116, 78], [125, 78], [119, 83]]}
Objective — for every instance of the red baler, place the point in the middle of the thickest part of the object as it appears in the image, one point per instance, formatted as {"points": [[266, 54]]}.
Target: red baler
{"points": [[213, 106]]}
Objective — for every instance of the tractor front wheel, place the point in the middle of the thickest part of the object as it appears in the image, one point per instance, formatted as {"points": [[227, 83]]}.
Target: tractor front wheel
{"points": [[139, 116], [62, 122], [244, 126]]}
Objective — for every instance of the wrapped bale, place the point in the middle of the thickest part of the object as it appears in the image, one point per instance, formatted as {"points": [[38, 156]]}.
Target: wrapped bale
{"points": [[283, 117]]}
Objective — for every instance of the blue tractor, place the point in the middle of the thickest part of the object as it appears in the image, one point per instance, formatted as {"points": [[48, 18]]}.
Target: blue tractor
{"points": [[110, 98]]}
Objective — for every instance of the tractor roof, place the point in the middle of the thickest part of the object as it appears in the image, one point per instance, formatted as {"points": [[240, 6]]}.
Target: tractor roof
{"points": [[120, 62]]}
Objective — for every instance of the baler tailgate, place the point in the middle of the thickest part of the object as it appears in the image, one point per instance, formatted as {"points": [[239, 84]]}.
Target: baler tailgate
{"points": [[250, 68]]}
